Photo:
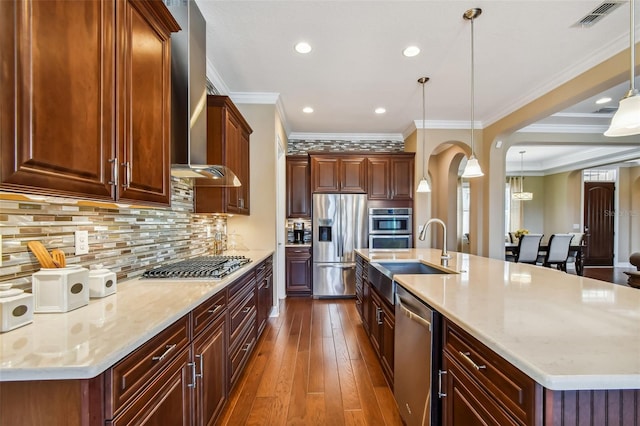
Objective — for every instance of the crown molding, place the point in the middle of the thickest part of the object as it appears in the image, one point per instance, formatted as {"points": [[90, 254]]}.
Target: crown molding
{"points": [[347, 136], [563, 128], [616, 46], [216, 79], [263, 98]]}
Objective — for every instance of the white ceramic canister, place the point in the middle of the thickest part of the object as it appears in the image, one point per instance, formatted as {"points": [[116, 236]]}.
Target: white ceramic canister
{"points": [[60, 289], [102, 282], [16, 308]]}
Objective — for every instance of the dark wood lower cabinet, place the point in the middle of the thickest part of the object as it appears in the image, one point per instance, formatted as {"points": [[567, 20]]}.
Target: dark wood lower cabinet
{"points": [[381, 332], [466, 403], [210, 357], [298, 272], [166, 401]]}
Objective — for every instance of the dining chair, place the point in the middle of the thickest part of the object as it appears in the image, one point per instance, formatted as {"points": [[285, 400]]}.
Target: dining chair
{"points": [[576, 240], [528, 247], [558, 251]]}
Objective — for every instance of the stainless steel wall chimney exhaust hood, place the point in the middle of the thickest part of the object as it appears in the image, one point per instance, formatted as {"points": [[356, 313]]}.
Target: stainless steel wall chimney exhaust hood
{"points": [[189, 98]]}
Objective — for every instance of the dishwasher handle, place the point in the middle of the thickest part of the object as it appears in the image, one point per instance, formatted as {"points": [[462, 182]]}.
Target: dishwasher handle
{"points": [[412, 315]]}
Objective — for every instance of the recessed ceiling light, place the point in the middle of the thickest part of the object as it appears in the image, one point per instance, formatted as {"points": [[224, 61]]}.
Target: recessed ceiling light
{"points": [[307, 110], [603, 100], [303, 47], [380, 110], [411, 51]]}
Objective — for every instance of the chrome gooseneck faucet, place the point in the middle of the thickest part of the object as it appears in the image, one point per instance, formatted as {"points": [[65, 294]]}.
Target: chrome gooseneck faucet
{"points": [[444, 257]]}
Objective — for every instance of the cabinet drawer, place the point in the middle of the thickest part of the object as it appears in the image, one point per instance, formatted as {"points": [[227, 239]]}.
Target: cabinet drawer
{"points": [[208, 311], [515, 390], [240, 315], [264, 269], [240, 286], [238, 356], [129, 376], [466, 403], [165, 401]]}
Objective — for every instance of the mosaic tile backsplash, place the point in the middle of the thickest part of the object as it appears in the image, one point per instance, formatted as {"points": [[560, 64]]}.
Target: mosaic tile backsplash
{"points": [[125, 240], [301, 147]]}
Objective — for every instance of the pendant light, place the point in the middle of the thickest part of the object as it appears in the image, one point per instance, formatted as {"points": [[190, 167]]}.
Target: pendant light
{"points": [[423, 186], [522, 196], [626, 121], [472, 169]]}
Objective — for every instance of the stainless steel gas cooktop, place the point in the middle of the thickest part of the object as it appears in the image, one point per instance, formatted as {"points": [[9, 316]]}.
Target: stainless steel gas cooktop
{"points": [[209, 267]]}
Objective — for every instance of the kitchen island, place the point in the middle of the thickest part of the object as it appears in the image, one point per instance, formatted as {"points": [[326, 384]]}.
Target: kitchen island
{"points": [[573, 336], [75, 352]]}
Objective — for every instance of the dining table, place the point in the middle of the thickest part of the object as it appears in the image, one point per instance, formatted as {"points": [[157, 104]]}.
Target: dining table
{"points": [[576, 251]]}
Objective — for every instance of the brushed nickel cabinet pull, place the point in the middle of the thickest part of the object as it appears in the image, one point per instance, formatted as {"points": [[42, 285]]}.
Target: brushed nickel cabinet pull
{"points": [[168, 349], [201, 374], [114, 171], [127, 174], [246, 310], [467, 356], [440, 374], [192, 365], [215, 308]]}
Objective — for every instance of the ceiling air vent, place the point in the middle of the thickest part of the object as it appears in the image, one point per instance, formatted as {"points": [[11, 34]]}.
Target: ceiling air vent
{"points": [[598, 13]]}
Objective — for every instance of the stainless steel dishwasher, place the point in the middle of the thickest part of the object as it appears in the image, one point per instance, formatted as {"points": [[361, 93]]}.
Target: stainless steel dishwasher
{"points": [[416, 357]]}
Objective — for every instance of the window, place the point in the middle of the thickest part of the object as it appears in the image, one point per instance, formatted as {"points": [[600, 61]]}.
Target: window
{"points": [[599, 175]]}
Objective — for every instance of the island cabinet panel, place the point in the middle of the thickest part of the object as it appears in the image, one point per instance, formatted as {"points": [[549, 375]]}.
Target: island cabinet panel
{"points": [[264, 281], [381, 332], [86, 99], [228, 136], [390, 177], [618, 407], [338, 173], [298, 272], [298, 187], [475, 365]]}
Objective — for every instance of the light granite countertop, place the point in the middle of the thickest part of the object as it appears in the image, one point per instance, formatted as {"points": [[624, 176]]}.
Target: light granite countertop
{"points": [[83, 343], [564, 331]]}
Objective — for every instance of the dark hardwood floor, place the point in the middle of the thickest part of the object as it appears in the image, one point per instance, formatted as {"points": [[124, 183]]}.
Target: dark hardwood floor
{"points": [[313, 365], [609, 274]]}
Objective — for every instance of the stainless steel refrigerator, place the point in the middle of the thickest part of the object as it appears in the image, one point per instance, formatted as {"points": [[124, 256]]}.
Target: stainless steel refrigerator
{"points": [[339, 227]]}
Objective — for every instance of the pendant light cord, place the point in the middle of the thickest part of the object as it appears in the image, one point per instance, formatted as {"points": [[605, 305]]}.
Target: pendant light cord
{"points": [[632, 47], [423, 126], [472, 91]]}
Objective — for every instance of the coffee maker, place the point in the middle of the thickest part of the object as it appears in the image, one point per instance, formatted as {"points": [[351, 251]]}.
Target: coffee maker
{"points": [[298, 232]]}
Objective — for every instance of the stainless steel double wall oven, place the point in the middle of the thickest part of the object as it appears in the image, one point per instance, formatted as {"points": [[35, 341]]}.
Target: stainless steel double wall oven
{"points": [[390, 228]]}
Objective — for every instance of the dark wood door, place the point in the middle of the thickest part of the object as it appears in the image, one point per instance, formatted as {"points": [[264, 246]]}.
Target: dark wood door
{"points": [[375, 321], [353, 175], [401, 183], [57, 61], [466, 403], [599, 217], [298, 271], [210, 357], [298, 187], [378, 179], [325, 174], [387, 343], [144, 112], [166, 401]]}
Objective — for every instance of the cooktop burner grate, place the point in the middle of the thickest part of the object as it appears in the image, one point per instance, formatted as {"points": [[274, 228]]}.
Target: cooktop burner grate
{"points": [[212, 267]]}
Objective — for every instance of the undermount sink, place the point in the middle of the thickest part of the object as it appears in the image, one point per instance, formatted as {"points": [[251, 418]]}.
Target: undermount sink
{"points": [[381, 275]]}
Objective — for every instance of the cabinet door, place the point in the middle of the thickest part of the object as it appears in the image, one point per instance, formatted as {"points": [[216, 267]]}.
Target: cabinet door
{"points": [[166, 401], [58, 86], [324, 175], [375, 321], [298, 187], [265, 296], [387, 329], [353, 174], [401, 181], [378, 179], [237, 147], [466, 403], [298, 272], [144, 109], [210, 357]]}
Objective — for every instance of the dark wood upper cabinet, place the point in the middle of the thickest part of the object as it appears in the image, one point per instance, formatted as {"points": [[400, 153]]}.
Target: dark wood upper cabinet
{"points": [[298, 187], [338, 173], [390, 177], [86, 99], [227, 144]]}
